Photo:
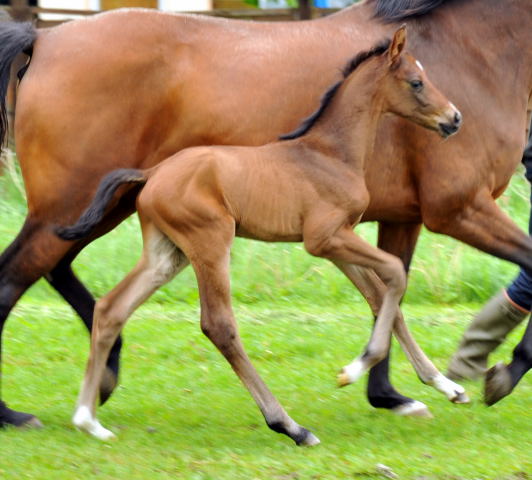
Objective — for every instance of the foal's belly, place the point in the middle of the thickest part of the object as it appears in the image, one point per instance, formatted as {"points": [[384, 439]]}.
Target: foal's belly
{"points": [[256, 232]]}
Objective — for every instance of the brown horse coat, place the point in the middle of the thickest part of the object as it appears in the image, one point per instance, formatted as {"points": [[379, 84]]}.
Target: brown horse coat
{"points": [[128, 88]]}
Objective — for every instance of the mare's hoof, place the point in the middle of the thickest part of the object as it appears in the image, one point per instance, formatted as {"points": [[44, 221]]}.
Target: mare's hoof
{"points": [[32, 423], [9, 417], [107, 385], [413, 409], [497, 385]]}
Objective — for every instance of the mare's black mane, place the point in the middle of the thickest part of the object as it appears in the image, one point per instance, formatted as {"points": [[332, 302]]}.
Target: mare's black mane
{"points": [[349, 68], [400, 10]]}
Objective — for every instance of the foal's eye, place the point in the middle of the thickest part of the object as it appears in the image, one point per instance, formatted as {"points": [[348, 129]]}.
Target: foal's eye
{"points": [[416, 85]]}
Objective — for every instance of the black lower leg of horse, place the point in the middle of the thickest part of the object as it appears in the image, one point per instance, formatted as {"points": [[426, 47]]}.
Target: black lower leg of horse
{"points": [[398, 240], [10, 292], [63, 279], [522, 356]]}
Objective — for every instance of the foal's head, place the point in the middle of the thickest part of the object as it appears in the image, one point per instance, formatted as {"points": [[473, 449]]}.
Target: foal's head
{"points": [[410, 94]]}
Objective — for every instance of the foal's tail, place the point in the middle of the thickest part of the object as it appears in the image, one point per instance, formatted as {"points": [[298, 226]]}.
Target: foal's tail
{"points": [[91, 217], [15, 38]]}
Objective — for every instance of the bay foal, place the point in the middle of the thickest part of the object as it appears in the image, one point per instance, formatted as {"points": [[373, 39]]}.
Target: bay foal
{"points": [[309, 187]]}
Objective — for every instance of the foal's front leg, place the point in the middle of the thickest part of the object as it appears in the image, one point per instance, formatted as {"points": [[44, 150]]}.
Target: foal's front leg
{"points": [[373, 291], [343, 247]]}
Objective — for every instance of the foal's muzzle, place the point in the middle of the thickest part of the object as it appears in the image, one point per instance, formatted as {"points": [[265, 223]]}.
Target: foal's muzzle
{"points": [[450, 127]]}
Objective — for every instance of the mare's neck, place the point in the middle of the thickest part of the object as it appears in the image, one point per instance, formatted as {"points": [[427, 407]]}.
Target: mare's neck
{"points": [[348, 126]]}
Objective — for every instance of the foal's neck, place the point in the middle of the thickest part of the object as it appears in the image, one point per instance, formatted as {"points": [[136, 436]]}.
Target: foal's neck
{"points": [[348, 126]]}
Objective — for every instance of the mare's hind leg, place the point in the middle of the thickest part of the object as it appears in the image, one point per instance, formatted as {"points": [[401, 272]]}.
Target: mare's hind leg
{"points": [[209, 253], [34, 252], [160, 262], [501, 379]]}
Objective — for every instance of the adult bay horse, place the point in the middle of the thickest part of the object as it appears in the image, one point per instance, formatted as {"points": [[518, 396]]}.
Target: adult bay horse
{"points": [[309, 187], [131, 87]]}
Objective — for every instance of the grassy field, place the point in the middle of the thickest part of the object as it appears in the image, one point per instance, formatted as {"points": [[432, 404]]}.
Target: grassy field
{"points": [[180, 412]]}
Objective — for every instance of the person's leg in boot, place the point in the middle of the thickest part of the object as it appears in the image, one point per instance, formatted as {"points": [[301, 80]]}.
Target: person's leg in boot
{"points": [[487, 331], [498, 317]]}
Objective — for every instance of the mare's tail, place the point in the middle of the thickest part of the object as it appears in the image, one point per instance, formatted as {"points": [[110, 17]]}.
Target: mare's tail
{"points": [[91, 217], [15, 38]]}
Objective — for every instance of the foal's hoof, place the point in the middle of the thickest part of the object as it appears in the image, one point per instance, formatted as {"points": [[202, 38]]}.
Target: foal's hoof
{"points": [[342, 379], [461, 397], [83, 420], [107, 385], [350, 373], [308, 440], [497, 385], [413, 409]]}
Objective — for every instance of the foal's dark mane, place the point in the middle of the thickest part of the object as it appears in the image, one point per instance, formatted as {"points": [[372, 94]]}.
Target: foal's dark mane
{"points": [[349, 68], [400, 10]]}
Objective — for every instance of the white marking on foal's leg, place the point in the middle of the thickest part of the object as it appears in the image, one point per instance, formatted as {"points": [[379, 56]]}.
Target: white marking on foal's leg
{"points": [[352, 372], [454, 392], [413, 409], [84, 420]]}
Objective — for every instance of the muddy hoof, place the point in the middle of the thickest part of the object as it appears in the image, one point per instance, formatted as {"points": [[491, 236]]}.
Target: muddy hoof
{"points": [[108, 384], [497, 385]]}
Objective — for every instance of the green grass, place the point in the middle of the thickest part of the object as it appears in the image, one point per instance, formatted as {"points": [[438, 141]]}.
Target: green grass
{"points": [[180, 412]]}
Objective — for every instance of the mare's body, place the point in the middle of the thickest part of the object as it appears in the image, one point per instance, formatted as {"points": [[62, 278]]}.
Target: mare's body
{"points": [[128, 88]]}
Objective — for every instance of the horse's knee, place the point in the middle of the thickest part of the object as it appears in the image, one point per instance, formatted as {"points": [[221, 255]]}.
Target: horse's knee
{"points": [[220, 330], [109, 320], [393, 274], [374, 355]]}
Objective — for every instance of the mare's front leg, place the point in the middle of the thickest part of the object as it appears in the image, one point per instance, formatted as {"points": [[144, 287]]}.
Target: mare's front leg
{"points": [[160, 262], [209, 253], [501, 379]]}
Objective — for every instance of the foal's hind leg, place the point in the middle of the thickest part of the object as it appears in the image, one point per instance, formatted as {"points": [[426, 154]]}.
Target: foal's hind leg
{"points": [[160, 262], [209, 255]]}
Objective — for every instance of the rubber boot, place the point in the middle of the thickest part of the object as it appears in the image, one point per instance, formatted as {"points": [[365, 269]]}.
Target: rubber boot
{"points": [[487, 331]]}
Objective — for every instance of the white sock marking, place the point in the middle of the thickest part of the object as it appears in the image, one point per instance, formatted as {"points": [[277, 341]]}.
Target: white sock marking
{"points": [[84, 421]]}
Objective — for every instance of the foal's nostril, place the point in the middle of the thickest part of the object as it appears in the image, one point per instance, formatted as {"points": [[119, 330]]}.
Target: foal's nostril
{"points": [[457, 118]]}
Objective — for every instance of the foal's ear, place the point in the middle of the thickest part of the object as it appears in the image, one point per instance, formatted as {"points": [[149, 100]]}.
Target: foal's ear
{"points": [[397, 46]]}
